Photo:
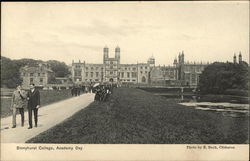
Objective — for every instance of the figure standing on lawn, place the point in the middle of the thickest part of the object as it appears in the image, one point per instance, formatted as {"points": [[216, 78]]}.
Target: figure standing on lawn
{"points": [[18, 103], [33, 104]]}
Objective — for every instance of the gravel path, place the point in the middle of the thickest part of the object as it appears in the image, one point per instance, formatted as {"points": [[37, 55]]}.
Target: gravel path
{"points": [[48, 117]]}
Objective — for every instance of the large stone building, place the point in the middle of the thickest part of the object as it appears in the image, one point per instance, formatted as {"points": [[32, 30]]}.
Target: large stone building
{"points": [[39, 74], [111, 70], [181, 73]]}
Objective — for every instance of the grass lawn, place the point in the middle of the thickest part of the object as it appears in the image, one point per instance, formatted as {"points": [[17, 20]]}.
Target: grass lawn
{"points": [[134, 116], [46, 97]]}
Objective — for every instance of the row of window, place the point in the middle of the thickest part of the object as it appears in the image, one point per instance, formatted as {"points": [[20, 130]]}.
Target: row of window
{"points": [[127, 80], [33, 74], [194, 78], [97, 80], [110, 62], [92, 68], [113, 66], [92, 74], [133, 68], [97, 74], [132, 74], [32, 80], [90, 80]]}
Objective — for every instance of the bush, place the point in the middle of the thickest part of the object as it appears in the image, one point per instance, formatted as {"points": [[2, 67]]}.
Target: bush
{"points": [[237, 92]]}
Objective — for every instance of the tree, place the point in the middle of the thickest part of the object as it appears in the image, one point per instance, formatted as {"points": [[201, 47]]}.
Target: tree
{"points": [[60, 68], [219, 77], [10, 75], [29, 62]]}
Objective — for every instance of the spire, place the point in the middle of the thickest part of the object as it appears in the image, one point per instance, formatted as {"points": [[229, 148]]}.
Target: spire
{"points": [[234, 59], [240, 58]]}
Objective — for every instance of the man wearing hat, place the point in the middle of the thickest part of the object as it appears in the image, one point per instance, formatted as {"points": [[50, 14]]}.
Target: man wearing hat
{"points": [[18, 103], [33, 104]]}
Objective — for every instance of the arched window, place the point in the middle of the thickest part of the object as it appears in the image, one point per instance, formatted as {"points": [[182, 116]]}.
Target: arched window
{"points": [[143, 79]]}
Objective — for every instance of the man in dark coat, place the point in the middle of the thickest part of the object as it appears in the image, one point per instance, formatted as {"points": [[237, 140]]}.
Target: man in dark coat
{"points": [[33, 104]]}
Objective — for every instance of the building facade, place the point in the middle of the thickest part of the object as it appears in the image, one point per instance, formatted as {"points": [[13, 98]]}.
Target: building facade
{"points": [[111, 70], [40, 75], [181, 73]]}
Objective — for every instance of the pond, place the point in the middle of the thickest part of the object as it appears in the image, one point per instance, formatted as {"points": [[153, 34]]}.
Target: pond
{"points": [[230, 106]]}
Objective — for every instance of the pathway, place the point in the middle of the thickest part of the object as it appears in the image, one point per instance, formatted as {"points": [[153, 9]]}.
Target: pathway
{"points": [[48, 116]]}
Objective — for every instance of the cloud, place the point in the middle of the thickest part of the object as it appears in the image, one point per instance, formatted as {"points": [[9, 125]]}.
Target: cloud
{"points": [[101, 28]]}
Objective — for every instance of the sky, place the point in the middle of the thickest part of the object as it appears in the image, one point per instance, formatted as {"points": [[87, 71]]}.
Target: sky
{"points": [[65, 31]]}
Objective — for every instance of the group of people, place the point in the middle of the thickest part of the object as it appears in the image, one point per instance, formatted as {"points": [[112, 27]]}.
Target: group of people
{"points": [[102, 92], [22, 99], [76, 90], [31, 100]]}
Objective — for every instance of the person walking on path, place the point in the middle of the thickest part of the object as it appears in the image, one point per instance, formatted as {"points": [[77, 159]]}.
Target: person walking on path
{"points": [[33, 104], [18, 103]]}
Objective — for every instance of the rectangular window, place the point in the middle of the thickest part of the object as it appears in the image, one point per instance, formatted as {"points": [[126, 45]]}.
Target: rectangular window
{"points": [[41, 80], [31, 80], [122, 74], [87, 74], [86, 68], [38, 74], [92, 68], [111, 62], [31, 74], [193, 78], [128, 75], [77, 73], [111, 72], [145, 67], [91, 74], [133, 74], [134, 69], [97, 74]]}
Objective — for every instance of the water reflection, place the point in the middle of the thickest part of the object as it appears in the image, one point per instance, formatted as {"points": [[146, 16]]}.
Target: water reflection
{"points": [[228, 106]]}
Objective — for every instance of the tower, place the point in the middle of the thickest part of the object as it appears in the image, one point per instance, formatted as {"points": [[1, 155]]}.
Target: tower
{"points": [[182, 57], [105, 53], [240, 58], [179, 59], [117, 54], [175, 62], [235, 61], [151, 61]]}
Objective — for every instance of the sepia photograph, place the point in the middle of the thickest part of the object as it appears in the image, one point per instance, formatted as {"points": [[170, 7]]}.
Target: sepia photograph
{"points": [[124, 73]]}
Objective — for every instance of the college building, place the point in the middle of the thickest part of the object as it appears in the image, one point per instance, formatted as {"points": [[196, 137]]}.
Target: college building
{"points": [[111, 70], [181, 73]]}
